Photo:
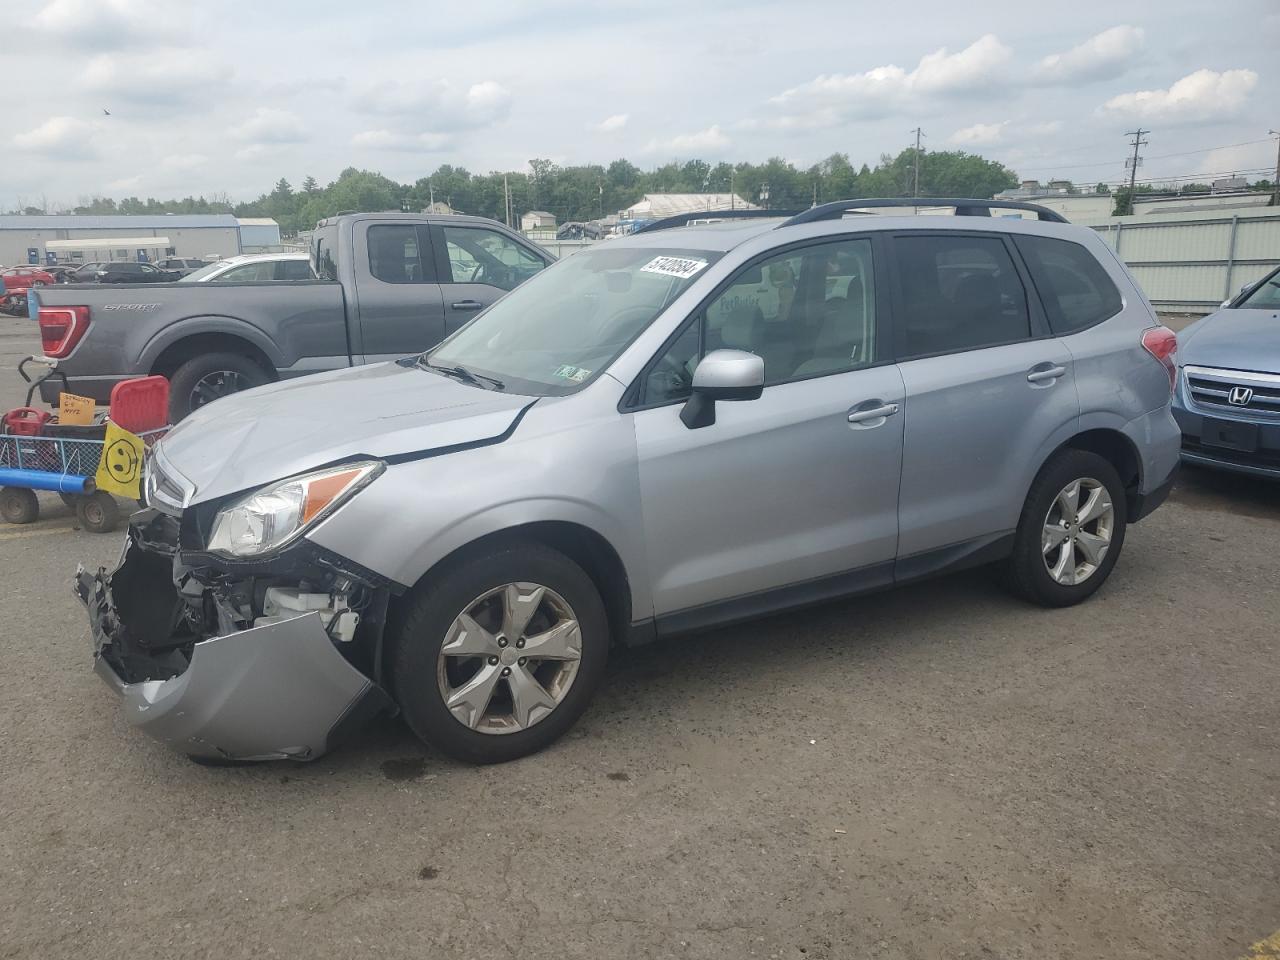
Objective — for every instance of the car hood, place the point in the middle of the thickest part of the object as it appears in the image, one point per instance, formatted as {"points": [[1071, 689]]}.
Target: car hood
{"points": [[1233, 339], [383, 410]]}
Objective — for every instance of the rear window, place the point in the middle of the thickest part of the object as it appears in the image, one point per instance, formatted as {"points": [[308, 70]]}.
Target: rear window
{"points": [[1074, 288], [324, 255]]}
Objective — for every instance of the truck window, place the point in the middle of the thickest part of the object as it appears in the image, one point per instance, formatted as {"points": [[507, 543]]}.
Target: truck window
{"points": [[395, 255], [323, 257], [477, 255], [293, 270]]}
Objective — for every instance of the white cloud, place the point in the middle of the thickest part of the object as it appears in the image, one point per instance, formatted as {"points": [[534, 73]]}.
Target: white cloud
{"points": [[124, 184], [614, 123], [979, 134], [103, 24], [62, 138], [712, 139], [184, 162], [1203, 95], [403, 142], [166, 78], [440, 104], [1102, 57], [268, 125], [831, 99]]}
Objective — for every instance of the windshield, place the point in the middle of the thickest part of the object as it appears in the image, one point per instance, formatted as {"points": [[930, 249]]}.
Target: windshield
{"points": [[198, 275], [561, 328], [1265, 296]]}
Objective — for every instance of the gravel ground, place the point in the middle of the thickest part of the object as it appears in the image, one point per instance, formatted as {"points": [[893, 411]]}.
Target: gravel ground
{"points": [[940, 771]]}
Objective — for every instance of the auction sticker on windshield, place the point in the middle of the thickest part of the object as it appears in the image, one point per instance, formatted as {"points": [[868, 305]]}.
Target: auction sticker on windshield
{"points": [[682, 267], [572, 374]]}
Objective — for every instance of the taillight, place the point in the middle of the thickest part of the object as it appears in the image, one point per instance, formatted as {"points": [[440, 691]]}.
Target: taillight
{"points": [[61, 328], [1162, 343]]}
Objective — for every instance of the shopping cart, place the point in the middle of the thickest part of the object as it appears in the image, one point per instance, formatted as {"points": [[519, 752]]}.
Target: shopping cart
{"points": [[38, 453]]}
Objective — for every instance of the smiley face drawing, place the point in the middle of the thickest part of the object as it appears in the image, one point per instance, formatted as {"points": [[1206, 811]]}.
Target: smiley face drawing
{"points": [[122, 461]]}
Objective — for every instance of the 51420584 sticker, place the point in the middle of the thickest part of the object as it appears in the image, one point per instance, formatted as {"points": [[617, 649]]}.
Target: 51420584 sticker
{"points": [[682, 267]]}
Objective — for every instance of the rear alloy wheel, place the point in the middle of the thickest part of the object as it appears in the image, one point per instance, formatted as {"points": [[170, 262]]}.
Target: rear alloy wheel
{"points": [[1071, 530], [209, 377], [499, 656]]}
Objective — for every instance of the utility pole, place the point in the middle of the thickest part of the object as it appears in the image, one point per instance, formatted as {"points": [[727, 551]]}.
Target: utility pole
{"points": [[506, 200], [430, 187], [1133, 163], [1275, 184], [915, 189]]}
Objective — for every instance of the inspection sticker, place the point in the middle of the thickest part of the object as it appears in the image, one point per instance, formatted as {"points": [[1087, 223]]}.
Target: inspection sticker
{"points": [[681, 267], [572, 373]]}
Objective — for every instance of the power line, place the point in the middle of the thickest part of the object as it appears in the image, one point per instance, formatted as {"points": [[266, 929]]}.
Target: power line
{"points": [[1162, 156]]}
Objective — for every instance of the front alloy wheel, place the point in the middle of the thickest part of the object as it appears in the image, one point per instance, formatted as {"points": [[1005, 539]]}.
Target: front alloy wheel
{"points": [[1077, 531], [510, 658], [498, 652]]}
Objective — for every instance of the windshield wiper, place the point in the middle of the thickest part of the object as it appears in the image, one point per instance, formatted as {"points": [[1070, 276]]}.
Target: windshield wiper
{"points": [[463, 374]]}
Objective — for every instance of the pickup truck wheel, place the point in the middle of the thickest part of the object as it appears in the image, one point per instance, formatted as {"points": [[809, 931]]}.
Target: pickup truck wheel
{"points": [[498, 657], [209, 377]]}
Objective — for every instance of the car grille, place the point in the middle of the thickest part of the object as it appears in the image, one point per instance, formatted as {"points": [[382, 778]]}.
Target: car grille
{"points": [[165, 488], [1222, 391]]}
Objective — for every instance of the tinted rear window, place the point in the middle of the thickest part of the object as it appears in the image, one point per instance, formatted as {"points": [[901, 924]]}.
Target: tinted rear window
{"points": [[1075, 289]]}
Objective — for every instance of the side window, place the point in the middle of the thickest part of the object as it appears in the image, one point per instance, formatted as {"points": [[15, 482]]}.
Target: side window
{"points": [[477, 255], [395, 256], [807, 313], [958, 293], [1075, 289], [293, 270], [248, 272]]}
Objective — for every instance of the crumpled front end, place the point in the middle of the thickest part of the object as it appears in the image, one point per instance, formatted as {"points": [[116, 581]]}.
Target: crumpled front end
{"points": [[227, 662]]}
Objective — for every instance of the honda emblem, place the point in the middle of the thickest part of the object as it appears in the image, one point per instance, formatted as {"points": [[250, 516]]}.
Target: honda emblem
{"points": [[1240, 396]]}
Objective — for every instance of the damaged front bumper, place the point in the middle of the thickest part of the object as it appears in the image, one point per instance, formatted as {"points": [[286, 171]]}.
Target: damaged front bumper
{"points": [[280, 690]]}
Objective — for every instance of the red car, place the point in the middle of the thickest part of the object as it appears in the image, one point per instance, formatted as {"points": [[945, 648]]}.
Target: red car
{"points": [[21, 278]]}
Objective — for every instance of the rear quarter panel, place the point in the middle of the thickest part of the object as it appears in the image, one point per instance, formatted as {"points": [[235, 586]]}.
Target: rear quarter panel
{"points": [[131, 324]]}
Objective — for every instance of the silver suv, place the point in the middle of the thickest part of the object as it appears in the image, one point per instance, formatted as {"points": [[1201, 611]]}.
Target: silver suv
{"points": [[677, 430]]}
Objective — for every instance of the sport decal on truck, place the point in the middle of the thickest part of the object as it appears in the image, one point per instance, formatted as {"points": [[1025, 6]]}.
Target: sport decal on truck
{"points": [[681, 267]]}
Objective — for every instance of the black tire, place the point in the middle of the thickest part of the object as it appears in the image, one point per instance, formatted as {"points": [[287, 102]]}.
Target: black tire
{"points": [[418, 633], [98, 512], [1027, 572], [234, 366], [19, 505]]}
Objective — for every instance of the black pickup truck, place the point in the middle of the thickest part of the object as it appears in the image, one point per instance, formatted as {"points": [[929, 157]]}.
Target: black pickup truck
{"points": [[388, 285]]}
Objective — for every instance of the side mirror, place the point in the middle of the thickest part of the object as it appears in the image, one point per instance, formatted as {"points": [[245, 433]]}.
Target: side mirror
{"points": [[722, 375]]}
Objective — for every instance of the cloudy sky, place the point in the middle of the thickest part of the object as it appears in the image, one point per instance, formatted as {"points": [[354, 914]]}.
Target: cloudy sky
{"points": [[227, 97]]}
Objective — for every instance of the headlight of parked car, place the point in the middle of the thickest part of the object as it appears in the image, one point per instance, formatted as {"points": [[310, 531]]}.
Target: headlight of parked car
{"points": [[273, 516]]}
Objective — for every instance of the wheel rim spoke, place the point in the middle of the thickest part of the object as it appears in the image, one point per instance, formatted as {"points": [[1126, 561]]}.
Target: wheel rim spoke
{"points": [[561, 642], [1053, 536], [466, 638], [1092, 546], [1097, 506], [1064, 569], [470, 701], [520, 601], [1069, 500], [530, 701]]}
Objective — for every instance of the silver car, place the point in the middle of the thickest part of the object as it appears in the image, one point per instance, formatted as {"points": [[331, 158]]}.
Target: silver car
{"points": [[673, 431], [1228, 397]]}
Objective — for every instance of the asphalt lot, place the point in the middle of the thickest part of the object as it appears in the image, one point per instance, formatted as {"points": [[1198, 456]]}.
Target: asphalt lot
{"points": [[937, 772]]}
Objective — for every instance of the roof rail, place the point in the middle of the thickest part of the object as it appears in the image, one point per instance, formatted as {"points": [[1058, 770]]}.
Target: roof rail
{"points": [[964, 208], [683, 219]]}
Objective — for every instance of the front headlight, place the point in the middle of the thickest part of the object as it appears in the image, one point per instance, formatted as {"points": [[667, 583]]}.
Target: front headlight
{"points": [[271, 517]]}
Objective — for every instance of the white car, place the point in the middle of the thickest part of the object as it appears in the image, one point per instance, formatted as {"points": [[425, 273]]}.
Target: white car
{"points": [[254, 266]]}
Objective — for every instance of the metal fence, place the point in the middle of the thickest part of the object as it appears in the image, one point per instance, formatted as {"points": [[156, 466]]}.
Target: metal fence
{"points": [[1194, 261]]}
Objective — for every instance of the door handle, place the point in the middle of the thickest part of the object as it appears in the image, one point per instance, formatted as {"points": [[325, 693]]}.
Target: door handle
{"points": [[466, 305], [873, 413], [1040, 376]]}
